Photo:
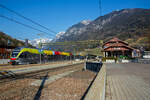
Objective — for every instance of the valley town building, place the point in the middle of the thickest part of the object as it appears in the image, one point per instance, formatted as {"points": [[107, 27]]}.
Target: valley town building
{"points": [[5, 51], [116, 48]]}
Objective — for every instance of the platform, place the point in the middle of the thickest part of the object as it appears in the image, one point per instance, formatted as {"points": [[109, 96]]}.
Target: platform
{"points": [[128, 81], [4, 61]]}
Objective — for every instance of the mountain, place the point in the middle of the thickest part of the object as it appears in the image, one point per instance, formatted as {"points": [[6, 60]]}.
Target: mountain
{"points": [[12, 42], [72, 33], [124, 24], [59, 36], [36, 42], [6, 40]]}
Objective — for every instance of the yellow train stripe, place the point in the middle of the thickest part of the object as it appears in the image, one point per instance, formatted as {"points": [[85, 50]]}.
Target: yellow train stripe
{"points": [[36, 51], [3, 73], [48, 52]]}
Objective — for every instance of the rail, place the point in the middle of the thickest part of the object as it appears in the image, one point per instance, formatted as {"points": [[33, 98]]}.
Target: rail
{"points": [[7, 76]]}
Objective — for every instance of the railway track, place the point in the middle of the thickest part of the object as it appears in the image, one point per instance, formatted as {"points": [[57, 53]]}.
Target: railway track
{"points": [[35, 74], [64, 83]]}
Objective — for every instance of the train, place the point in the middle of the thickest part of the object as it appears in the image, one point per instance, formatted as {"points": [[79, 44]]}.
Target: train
{"points": [[25, 55]]}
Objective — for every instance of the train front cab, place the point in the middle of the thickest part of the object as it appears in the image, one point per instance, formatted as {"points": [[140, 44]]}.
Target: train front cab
{"points": [[13, 58]]}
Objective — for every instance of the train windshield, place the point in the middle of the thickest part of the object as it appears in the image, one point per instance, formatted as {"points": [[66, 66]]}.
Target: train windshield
{"points": [[14, 54]]}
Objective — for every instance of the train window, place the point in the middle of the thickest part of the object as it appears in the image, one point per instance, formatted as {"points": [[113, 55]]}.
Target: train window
{"points": [[14, 54], [21, 56], [17, 49], [25, 55]]}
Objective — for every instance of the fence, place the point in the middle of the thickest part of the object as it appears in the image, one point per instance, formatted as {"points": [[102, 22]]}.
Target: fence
{"points": [[93, 66]]}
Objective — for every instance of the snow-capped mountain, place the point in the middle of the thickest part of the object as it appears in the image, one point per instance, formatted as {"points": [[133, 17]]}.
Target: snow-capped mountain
{"points": [[72, 32], [59, 35], [36, 42], [85, 22], [124, 24]]}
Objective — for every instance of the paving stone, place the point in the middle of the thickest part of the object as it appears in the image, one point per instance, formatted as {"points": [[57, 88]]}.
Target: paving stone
{"points": [[128, 82]]}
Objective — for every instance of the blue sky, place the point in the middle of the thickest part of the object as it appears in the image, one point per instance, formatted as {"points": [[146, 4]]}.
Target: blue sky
{"points": [[57, 15]]}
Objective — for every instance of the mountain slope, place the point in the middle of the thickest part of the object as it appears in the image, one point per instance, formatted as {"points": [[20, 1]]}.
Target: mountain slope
{"points": [[124, 24], [13, 42], [73, 32]]}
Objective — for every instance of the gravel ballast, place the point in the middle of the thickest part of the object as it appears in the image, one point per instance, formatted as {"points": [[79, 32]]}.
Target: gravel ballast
{"points": [[69, 87]]}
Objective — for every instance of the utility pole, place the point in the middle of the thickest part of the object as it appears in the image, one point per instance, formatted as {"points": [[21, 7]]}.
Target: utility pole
{"points": [[73, 51], [26, 42], [100, 7], [40, 52], [40, 47]]}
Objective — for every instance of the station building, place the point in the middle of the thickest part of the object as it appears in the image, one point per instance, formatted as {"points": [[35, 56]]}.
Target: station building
{"points": [[5, 51], [116, 48]]}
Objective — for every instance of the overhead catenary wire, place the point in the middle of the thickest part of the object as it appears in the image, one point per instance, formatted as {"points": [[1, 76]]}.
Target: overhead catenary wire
{"points": [[25, 25], [20, 15], [100, 7]]}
